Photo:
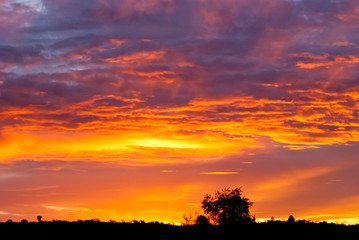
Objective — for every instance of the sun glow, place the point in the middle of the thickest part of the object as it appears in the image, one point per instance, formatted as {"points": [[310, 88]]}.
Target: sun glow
{"points": [[160, 143]]}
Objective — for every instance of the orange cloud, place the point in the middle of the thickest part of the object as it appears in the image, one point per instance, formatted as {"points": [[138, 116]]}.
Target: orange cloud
{"points": [[326, 63], [114, 128], [137, 57], [219, 173]]}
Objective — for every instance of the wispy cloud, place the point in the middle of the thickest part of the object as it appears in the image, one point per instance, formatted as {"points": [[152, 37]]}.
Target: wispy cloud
{"points": [[69, 209], [282, 185], [219, 173]]}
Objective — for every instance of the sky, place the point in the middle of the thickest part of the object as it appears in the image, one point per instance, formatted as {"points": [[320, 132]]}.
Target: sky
{"points": [[135, 109]]}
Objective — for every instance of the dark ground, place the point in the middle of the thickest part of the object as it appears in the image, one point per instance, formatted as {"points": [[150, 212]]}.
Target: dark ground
{"points": [[102, 230]]}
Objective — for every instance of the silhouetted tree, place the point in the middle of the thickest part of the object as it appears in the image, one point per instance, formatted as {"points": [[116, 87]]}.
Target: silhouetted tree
{"points": [[228, 207], [202, 220], [188, 218], [291, 219], [39, 218]]}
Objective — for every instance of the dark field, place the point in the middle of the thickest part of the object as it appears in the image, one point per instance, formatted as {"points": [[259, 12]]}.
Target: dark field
{"points": [[104, 230]]}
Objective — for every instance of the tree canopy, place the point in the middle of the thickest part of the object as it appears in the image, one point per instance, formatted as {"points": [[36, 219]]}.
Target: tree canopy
{"points": [[228, 207]]}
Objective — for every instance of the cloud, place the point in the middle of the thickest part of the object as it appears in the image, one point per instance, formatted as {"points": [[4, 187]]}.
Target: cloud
{"points": [[289, 179], [231, 70], [10, 54], [219, 173], [69, 209]]}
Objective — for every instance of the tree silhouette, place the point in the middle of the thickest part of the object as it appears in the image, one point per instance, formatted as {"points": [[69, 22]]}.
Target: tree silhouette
{"points": [[228, 207], [188, 218], [291, 219], [202, 220], [39, 218]]}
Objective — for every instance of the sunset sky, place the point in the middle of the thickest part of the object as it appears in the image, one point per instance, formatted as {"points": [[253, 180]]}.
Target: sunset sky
{"points": [[135, 109]]}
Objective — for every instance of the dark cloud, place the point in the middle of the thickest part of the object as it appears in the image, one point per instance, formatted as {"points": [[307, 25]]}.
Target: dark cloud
{"points": [[39, 89], [22, 54]]}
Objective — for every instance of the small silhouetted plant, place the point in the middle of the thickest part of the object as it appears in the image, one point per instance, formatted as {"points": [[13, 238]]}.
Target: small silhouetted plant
{"points": [[271, 219], [39, 218], [228, 207], [291, 219], [202, 220], [189, 219]]}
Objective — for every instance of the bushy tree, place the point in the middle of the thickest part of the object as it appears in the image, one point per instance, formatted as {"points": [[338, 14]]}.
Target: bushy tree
{"points": [[228, 207], [291, 219], [202, 220]]}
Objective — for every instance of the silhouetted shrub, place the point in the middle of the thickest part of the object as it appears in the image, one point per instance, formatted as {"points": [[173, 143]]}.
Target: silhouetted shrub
{"points": [[228, 207], [202, 220], [291, 219]]}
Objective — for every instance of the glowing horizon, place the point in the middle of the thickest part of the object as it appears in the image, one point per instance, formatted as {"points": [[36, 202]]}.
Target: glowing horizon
{"points": [[135, 109]]}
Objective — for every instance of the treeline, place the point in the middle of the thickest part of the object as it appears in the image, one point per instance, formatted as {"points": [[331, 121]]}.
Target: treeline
{"points": [[96, 228], [194, 222], [80, 221]]}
